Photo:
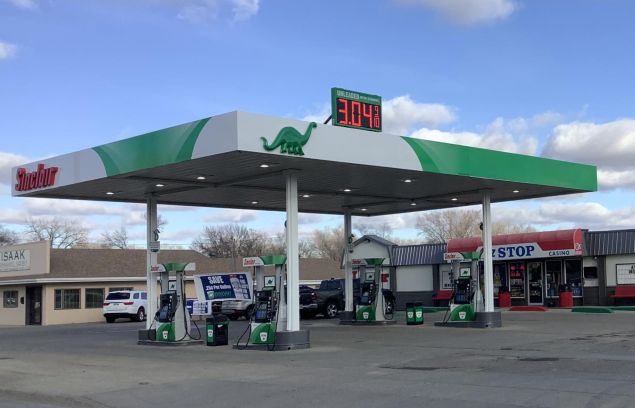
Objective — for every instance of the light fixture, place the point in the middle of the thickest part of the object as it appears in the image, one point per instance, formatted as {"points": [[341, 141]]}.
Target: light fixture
{"points": [[516, 191], [363, 209], [454, 199], [160, 185], [347, 190], [265, 165], [407, 181], [200, 178], [254, 202], [110, 193], [306, 195], [413, 204]]}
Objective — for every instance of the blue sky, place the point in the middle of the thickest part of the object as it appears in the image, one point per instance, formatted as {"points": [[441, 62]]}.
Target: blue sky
{"points": [[535, 77]]}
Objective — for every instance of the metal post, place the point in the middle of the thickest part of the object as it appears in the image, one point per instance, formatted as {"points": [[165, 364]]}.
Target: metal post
{"points": [[293, 261], [348, 262], [151, 278], [487, 252]]}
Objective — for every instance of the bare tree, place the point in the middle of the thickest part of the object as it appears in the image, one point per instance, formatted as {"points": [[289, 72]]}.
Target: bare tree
{"points": [[230, 241], [329, 243], [117, 239], [383, 230], [306, 248], [62, 234], [8, 237], [504, 228], [404, 241], [441, 226], [161, 222], [278, 244]]}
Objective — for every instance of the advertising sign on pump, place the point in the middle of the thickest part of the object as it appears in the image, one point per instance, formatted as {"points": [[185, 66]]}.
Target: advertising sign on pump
{"points": [[226, 286]]}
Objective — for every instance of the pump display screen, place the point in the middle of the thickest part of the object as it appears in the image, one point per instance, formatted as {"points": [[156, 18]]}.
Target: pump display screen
{"points": [[356, 110]]}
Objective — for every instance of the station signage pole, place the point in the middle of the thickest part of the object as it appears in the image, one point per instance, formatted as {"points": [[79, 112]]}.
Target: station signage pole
{"points": [[487, 252], [151, 283], [293, 258]]}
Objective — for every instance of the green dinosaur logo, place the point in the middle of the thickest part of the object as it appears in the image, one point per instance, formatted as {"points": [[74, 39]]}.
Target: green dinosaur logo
{"points": [[290, 140]]}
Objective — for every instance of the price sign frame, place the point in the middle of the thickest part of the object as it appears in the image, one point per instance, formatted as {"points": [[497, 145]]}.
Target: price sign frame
{"points": [[355, 103]]}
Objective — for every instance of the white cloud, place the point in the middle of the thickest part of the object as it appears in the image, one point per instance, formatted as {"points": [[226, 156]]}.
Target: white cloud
{"points": [[610, 146], [63, 209], [470, 11], [245, 9], [7, 162], [304, 218], [232, 215], [576, 215], [547, 118], [320, 115], [497, 136], [402, 114], [24, 4], [201, 11], [7, 51]]}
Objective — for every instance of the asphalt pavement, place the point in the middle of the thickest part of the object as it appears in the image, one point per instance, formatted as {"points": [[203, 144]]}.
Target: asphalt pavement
{"points": [[552, 359]]}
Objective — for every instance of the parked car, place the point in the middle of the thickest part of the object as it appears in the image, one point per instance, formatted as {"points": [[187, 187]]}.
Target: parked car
{"points": [[234, 309], [127, 304], [329, 298]]}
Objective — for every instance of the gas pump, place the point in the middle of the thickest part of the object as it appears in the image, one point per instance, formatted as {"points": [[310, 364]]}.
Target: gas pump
{"points": [[171, 321], [370, 303], [270, 302], [466, 299]]}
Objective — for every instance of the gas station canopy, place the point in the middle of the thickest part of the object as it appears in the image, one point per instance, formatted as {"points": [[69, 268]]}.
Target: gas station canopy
{"points": [[240, 160]]}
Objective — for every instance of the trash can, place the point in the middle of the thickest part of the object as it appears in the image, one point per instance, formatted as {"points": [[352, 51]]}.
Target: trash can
{"points": [[566, 296], [217, 330], [505, 299], [418, 309], [410, 313]]}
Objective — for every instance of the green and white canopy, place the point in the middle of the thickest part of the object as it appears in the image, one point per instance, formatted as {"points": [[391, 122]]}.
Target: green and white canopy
{"points": [[243, 158]]}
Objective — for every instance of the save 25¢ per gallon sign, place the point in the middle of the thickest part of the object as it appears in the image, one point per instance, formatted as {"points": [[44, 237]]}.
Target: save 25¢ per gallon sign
{"points": [[225, 286]]}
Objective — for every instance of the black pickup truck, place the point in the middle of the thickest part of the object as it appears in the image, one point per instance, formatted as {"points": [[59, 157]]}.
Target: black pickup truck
{"points": [[328, 299]]}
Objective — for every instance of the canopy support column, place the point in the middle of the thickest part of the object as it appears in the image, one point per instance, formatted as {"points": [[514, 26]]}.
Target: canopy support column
{"points": [[293, 258], [348, 265], [488, 267], [151, 280]]}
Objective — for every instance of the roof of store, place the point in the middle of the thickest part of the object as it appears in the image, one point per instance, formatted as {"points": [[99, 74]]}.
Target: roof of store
{"points": [[619, 242], [127, 263], [223, 162], [425, 254]]}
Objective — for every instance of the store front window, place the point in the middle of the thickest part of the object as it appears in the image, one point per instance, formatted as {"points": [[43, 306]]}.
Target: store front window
{"points": [[553, 278], [500, 278], [534, 281], [573, 269], [517, 279]]}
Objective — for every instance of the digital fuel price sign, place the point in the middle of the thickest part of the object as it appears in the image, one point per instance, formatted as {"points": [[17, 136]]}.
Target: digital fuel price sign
{"points": [[356, 109]]}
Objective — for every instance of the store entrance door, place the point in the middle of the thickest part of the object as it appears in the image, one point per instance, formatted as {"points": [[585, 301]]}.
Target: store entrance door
{"points": [[34, 305], [534, 280]]}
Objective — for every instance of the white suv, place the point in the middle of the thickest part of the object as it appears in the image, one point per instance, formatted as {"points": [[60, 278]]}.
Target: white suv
{"points": [[129, 304]]}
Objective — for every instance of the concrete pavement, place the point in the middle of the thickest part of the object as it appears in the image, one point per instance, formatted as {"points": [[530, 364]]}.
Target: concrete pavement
{"points": [[553, 359]]}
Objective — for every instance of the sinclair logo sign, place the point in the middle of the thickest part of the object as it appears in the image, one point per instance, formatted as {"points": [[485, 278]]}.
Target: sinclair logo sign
{"points": [[42, 177]]}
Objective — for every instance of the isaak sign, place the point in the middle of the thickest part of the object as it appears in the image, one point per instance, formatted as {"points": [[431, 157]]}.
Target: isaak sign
{"points": [[19, 260], [40, 178]]}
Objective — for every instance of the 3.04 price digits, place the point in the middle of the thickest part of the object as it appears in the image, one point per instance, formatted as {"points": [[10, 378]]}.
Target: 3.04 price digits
{"points": [[358, 114]]}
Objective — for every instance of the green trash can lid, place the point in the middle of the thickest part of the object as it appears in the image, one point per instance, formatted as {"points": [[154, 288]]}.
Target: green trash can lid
{"points": [[410, 305], [418, 304]]}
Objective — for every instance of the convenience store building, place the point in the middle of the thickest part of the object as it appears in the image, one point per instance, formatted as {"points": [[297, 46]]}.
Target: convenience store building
{"points": [[531, 266]]}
